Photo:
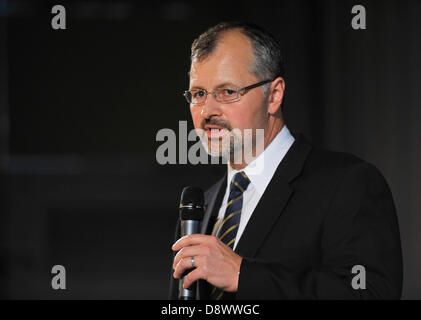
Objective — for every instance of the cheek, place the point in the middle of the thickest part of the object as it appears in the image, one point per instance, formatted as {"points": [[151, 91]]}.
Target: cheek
{"points": [[238, 119], [244, 117], [196, 116]]}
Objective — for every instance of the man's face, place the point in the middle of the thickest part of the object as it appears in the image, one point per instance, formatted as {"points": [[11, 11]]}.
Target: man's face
{"points": [[227, 66]]}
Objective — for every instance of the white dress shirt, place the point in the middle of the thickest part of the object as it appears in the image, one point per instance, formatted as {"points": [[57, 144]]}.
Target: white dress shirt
{"points": [[267, 162]]}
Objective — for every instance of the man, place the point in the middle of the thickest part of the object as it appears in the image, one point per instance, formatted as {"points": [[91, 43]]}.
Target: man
{"points": [[311, 224]]}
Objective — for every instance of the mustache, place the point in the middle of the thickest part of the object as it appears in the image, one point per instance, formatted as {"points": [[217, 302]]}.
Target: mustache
{"points": [[217, 122]]}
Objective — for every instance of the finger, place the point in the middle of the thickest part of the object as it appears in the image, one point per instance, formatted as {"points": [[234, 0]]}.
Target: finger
{"points": [[191, 239], [188, 240], [193, 276], [183, 265], [190, 251]]}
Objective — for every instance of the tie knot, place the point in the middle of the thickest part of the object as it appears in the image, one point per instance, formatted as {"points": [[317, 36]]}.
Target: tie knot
{"points": [[240, 182]]}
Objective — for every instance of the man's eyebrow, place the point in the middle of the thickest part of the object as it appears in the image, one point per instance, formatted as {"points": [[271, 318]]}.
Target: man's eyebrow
{"points": [[222, 85], [197, 88], [226, 84]]}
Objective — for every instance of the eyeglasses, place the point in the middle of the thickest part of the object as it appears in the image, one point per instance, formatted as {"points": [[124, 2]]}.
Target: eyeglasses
{"points": [[228, 94]]}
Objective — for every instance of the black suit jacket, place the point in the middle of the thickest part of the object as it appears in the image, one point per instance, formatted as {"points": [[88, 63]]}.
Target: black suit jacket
{"points": [[322, 214]]}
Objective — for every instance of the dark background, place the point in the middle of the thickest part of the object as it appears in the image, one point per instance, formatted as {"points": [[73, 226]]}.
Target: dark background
{"points": [[80, 109]]}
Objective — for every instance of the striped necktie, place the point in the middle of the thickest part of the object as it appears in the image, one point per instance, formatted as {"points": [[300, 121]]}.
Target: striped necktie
{"points": [[228, 230]]}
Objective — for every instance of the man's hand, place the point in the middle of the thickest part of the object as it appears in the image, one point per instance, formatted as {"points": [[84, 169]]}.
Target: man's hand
{"points": [[214, 261]]}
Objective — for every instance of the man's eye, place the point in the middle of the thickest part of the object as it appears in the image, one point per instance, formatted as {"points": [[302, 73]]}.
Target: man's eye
{"points": [[228, 92], [199, 94]]}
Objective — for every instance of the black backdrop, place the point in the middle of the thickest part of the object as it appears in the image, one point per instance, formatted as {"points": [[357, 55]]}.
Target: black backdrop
{"points": [[80, 109]]}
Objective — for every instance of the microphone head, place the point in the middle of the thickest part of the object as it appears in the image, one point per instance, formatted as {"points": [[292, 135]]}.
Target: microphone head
{"points": [[192, 204]]}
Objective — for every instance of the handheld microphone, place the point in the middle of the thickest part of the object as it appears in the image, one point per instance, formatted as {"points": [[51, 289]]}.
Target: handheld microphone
{"points": [[191, 216]]}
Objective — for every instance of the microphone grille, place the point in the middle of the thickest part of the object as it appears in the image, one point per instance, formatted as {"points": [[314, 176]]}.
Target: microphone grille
{"points": [[192, 195], [192, 203]]}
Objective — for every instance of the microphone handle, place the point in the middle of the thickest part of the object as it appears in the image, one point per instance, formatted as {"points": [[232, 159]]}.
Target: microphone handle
{"points": [[188, 227]]}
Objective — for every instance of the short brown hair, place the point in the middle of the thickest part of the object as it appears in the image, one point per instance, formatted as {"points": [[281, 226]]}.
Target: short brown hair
{"points": [[268, 59]]}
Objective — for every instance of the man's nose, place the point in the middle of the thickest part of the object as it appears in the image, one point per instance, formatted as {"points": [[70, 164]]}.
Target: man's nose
{"points": [[211, 107]]}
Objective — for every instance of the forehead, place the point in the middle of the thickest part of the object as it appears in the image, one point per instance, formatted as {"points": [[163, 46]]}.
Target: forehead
{"points": [[230, 61]]}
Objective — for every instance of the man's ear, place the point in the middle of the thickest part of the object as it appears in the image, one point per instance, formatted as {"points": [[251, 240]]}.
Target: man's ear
{"points": [[276, 94]]}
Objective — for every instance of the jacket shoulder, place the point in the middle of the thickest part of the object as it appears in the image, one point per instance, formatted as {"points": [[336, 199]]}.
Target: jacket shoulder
{"points": [[335, 162], [336, 165]]}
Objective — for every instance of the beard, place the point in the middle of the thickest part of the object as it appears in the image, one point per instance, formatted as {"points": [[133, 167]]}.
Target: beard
{"points": [[231, 146]]}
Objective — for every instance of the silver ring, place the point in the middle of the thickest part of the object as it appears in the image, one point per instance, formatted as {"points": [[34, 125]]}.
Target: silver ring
{"points": [[192, 262]]}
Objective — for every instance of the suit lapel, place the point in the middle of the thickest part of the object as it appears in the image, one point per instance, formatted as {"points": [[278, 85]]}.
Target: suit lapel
{"points": [[213, 200], [267, 211], [274, 199]]}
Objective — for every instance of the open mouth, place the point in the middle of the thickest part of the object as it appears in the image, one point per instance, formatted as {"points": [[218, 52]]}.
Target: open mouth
{"points": [[215, 131]]}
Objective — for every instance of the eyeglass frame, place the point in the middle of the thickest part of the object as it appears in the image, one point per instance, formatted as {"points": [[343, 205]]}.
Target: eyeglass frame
{"points": [[240, 92]]}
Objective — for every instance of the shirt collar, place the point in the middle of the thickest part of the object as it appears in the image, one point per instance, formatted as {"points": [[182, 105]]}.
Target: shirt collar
{"points": [[261, 169]]}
